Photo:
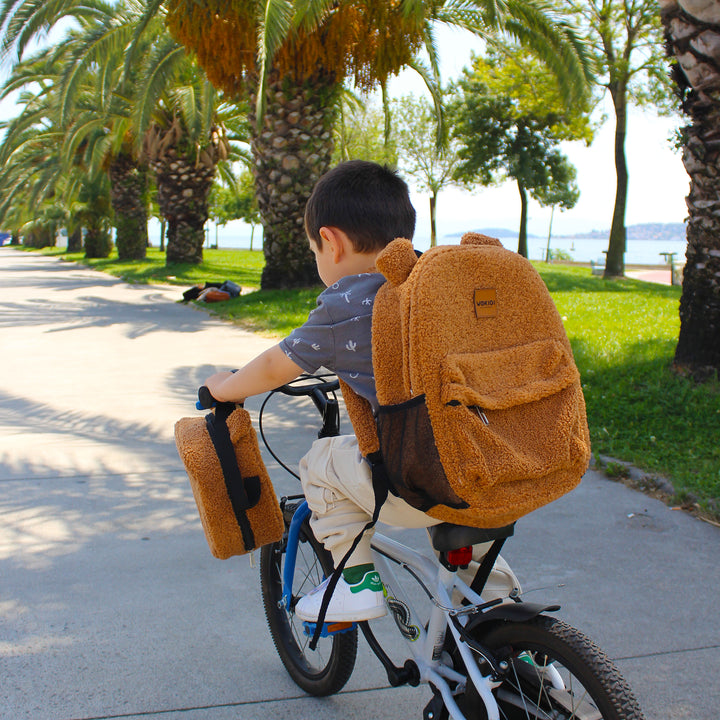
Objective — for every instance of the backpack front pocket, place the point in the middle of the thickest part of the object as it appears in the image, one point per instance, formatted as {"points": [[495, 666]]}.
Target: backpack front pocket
{"points": [[508, 415]]}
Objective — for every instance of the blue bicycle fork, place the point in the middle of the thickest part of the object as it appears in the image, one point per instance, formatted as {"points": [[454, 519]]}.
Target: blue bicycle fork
{"points": [[301, 514]]}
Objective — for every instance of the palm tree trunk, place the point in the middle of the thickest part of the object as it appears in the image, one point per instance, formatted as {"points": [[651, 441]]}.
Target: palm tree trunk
{"points": [[691, 32], [522, 235], [98, 243], [182, 194], [75, 241], [292, 149], [615, 262], [128, 188], [693, 35]]}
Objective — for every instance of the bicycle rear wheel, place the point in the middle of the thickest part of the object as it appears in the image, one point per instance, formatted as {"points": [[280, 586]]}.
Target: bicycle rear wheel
{"points": [[555, 673], [325, 670]]}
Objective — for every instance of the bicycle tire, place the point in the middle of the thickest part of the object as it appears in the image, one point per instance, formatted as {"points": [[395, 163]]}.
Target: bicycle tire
{"points": [[594, 688], [325, 670]]}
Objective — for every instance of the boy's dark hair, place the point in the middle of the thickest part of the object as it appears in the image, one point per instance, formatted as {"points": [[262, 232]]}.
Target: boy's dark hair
{"points": [[368, 202]]}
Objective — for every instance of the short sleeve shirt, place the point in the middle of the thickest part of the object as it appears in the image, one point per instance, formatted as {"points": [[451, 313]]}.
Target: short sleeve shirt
{"points": [[337, 334]]}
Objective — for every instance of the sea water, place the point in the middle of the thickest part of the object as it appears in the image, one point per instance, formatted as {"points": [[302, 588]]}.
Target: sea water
{"points": [[638, 252], [236, 235]]}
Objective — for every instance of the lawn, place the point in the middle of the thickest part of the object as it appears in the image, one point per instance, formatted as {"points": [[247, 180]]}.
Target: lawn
{"points": [[623, 334]]}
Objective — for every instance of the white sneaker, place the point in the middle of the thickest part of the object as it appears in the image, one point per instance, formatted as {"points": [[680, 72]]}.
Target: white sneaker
{"points": [[349, 603]]}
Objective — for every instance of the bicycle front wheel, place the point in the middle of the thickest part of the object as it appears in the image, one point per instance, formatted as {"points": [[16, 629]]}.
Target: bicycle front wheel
{"points": [[325, 670], [555, 672]]}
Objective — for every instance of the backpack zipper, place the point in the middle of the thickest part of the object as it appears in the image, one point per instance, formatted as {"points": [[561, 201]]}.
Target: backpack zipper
{"points": [[474, 409], [480, 413]]}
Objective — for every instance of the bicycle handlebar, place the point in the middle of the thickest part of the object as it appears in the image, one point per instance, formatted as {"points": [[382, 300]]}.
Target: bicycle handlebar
{"points": [[310, 384], [316, 387]]}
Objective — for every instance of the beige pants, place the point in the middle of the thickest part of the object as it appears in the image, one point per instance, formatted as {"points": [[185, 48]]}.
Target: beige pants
{"points": [[338, 488]]}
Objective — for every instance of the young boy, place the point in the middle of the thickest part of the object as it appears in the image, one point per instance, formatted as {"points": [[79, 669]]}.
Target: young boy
{"points": [[354, 211]]}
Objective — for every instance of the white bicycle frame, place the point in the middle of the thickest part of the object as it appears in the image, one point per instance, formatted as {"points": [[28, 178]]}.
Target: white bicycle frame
{"points": [[426, 644]]}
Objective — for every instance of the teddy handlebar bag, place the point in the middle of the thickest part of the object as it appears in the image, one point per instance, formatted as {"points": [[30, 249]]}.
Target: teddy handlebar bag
{"points": [[238, 507]]}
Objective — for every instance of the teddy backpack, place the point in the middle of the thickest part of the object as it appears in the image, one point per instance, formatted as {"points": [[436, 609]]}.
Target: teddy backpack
{"points": [[482, 417]]}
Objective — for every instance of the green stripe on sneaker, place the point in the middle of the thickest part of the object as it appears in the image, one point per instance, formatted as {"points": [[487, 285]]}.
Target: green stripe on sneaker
{"points": [[371, 581]]}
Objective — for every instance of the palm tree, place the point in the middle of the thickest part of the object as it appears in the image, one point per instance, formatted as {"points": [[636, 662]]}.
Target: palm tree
{"points": [[693, 34], [292, 59], [131, 96], [182, 121], [96, 103], [91, 104]]}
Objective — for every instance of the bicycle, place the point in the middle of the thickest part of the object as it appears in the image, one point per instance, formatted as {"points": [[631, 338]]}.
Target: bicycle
{"points": [[492, 660]]}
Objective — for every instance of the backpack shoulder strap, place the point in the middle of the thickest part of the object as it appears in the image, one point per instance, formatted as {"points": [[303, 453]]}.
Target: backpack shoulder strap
{"points": [[361, 417]]}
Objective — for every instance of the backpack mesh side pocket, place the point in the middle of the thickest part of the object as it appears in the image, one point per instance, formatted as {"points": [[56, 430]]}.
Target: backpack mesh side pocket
{"points": [[411, 457]]}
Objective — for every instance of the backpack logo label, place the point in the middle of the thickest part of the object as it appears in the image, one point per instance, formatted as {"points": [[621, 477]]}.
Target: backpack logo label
{"points": [[485, 302]]}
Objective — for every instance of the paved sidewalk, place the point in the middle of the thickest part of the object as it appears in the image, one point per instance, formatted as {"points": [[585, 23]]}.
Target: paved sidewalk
{"points": [[111, 605]]}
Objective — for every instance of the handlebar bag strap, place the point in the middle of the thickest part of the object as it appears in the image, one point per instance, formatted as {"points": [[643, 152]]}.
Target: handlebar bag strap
{"points": [[238, 507]]}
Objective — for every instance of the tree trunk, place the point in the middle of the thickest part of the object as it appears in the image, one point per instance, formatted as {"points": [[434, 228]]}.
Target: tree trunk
{"points": [[693, 34], [75, 240], [128, 189], [522, 235], [292, 150], [615, 262], [433, 227], [98, 243], [39, 236], [15, 238], [182, 194]]}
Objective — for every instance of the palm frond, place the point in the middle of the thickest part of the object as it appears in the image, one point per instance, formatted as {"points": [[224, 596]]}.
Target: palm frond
{"points": [[273, 28], [162, 66], [435, 89], [310, 13]]}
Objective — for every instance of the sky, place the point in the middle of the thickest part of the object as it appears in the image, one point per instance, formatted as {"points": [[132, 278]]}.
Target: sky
{"points": [[658, 182]]}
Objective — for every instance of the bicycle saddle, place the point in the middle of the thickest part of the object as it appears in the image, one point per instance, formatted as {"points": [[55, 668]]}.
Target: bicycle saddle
{"points": [[447, 536]]}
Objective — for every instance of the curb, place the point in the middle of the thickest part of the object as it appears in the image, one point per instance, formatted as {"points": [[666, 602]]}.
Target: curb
{"points": [[653, 485]]}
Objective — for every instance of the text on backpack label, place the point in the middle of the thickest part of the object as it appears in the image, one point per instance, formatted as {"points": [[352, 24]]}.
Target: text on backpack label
{"points": [[485, 302]]}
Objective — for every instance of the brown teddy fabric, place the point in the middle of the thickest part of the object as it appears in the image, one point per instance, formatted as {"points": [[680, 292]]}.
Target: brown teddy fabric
{"points": [[219, 521], [503, 404]]}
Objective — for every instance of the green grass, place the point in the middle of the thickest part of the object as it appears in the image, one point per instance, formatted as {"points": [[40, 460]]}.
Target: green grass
{"points": [[623, 335]]}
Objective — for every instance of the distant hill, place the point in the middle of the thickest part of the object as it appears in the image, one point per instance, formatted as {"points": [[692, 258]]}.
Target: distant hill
{"points": [[492, 232], [643, 231]]}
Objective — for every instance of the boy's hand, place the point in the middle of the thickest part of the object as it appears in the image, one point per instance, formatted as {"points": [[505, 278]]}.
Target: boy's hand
{"points": [[214, 382]]}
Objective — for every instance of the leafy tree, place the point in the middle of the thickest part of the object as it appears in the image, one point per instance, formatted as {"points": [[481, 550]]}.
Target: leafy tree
{"points": [[626, 41], [693, 34], [509, 120], [361, 133], [429, 163]]}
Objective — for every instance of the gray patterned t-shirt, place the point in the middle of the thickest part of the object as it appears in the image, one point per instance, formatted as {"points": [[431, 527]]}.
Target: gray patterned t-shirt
{"points": [[337, 334]]}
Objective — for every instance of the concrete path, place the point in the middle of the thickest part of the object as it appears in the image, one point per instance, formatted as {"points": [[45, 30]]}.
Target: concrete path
{"points": [[661, 276], [111, 605]]}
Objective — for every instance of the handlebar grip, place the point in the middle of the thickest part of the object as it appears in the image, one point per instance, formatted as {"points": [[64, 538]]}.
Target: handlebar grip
{"points": [[205, 399]]}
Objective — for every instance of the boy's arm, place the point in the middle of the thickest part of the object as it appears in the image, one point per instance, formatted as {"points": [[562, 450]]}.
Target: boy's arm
{"points": [[267, 371]]}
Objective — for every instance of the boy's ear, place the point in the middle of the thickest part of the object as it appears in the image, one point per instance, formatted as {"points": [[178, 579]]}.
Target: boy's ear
{"points": [[335, 240]]}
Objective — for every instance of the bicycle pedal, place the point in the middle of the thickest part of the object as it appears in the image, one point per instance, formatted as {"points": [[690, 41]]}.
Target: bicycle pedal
{"points": [[329, 628]]}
